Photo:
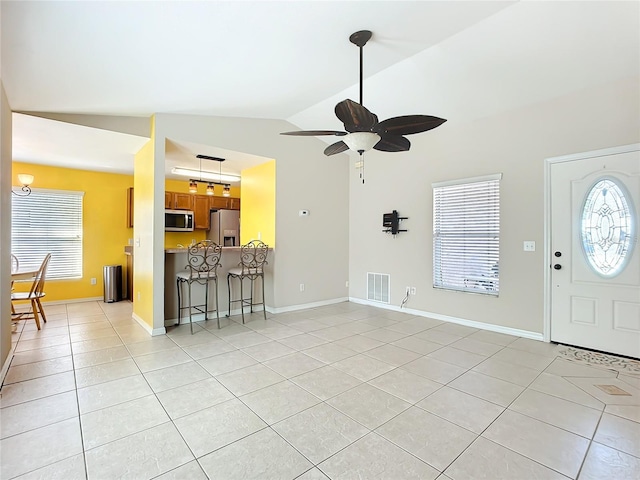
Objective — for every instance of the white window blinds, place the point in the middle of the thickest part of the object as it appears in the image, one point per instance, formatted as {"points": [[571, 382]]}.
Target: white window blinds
{"points": [[466, 235], [48, 221]]}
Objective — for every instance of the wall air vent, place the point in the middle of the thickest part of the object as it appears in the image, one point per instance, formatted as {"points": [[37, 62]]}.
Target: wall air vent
{"points": [[378, 287]]}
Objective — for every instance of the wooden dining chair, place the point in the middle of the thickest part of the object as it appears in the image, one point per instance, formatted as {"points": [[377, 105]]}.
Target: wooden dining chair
{"points": [[34, 295]]}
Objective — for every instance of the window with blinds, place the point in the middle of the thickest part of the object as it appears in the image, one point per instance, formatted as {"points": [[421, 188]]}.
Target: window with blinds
{"points": [[48, 221], [466, 235]]}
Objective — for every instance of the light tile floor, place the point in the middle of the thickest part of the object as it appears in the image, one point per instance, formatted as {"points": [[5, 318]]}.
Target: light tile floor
{"points": [[342, 392]]}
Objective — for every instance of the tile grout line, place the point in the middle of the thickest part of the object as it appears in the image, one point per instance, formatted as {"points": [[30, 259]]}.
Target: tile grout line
{"points": [[395, 367]]}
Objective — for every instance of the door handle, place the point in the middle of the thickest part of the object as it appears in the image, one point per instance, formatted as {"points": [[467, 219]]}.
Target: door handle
{"points": [[557, 266]]}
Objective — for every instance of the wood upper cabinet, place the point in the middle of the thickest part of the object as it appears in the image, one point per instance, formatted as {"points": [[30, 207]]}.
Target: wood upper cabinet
{"points": [[234, 203], [200, 204], [219, 202], [130, 207], [201, 209], [178, 201], [225, 203]]}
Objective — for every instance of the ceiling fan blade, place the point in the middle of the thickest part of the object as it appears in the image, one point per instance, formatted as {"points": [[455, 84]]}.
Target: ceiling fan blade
{"points": [[313, 133], [337, 147], [408, 124], [355, 117], [392, 143]]}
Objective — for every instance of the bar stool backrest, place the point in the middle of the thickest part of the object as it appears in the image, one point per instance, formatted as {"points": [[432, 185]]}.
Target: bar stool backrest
{"points": [[253, 258], [203, 260]]}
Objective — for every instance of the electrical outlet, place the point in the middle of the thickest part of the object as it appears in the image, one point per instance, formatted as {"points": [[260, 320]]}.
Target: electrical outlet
{"points": [[302, 287], [529, 246], [346, 284], [138, 295], [94, 281], [413, 290]]}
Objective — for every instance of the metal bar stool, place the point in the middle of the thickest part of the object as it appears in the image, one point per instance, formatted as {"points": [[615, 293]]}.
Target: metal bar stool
{"points": [[203, 262], [253, 258]]}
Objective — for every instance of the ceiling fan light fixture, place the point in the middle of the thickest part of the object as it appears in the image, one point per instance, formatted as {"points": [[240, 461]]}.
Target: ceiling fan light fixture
{"points": [[361, 141]]}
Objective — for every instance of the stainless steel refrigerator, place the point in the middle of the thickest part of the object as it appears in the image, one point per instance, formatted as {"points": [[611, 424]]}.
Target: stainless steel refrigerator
{"points": [[225, 228]]}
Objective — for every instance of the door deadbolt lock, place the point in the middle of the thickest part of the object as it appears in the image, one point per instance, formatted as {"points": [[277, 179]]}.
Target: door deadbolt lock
{"points": [[558, 254], [557, 266]]}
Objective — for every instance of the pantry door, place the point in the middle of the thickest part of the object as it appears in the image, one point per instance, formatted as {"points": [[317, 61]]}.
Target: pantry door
{"points": [[594, 256]]}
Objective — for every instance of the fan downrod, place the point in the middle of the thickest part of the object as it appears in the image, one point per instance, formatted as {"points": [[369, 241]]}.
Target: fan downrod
{"points": [[360, 38]]}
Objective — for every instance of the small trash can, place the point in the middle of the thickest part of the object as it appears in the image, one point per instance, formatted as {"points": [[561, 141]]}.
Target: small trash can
{"points": [[112, 276]]}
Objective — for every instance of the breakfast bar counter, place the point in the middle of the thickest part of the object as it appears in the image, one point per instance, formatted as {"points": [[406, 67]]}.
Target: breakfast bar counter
{"points": [[175, 260]]}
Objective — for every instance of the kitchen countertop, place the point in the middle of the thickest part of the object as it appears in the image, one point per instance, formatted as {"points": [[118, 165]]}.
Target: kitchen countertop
{"points": [[185, 249]]}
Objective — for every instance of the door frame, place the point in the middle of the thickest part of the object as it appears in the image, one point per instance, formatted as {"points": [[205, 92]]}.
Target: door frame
{"points": [[546, 330]]}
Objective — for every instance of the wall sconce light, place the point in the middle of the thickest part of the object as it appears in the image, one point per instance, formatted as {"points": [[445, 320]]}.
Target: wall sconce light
{"points": [[25, 179]]}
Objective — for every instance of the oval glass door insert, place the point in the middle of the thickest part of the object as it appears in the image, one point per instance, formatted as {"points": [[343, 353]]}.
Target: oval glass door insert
{"points": [[607, 227]]}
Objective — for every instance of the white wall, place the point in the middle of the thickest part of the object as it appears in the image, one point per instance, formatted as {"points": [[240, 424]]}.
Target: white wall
{"points": [[513, 143], [312, 250]]}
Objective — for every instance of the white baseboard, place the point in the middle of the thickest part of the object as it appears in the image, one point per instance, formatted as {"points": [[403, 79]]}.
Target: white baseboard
{"points": [[302, 306], [199, 317], [7, 362], [275, 310], [152, 331], [460, 321], [74, 300]]}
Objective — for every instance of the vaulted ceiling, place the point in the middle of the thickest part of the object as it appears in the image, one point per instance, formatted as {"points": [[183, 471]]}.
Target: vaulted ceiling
{"points": [[292, 60]]}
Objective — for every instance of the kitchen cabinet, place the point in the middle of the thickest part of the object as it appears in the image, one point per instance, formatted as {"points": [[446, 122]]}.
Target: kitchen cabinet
{"points": [[234, 203], [219, 202], [227, 203], [130, 207], [201, 209], [178, 201]]}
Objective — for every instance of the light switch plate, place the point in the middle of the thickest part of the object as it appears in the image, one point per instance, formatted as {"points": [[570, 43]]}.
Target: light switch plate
{"points": [[529, 246]]}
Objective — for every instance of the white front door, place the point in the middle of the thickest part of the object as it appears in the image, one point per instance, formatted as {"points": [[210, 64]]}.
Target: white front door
{"points": [[594, 251]]}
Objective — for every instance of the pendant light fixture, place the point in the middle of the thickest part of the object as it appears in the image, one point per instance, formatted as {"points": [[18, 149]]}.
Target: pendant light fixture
{"points": [[210, 178]]}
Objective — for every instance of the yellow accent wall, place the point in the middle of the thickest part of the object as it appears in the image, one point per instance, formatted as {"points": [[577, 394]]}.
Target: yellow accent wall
{"points": [[104, 214], [143, 187], [258, 206]]}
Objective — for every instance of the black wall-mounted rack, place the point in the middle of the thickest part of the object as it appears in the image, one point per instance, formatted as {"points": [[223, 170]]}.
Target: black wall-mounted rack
{"points": [[391, 222]]}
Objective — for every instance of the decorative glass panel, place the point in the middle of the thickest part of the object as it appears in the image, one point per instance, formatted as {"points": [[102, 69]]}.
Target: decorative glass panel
{"points": [[607, 228]]}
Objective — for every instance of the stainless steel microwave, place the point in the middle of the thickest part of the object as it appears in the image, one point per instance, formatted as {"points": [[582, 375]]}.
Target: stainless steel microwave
{"points": [[178, 221]]}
